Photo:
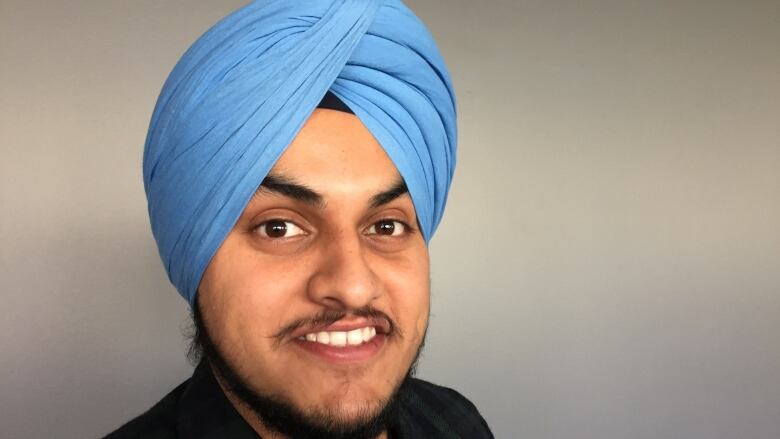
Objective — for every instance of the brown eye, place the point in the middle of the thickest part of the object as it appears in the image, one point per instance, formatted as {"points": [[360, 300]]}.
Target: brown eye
{"points": [[387, 228], [279, 229]]}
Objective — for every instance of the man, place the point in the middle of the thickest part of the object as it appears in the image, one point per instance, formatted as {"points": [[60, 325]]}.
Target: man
{"points": [[297, 163]]}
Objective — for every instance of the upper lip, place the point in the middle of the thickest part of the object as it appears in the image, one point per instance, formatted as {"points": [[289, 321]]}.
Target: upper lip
{"points": [[382, 326]]}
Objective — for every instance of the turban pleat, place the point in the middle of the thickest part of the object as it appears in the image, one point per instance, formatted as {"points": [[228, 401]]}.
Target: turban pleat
{"points": [[241, 93]]}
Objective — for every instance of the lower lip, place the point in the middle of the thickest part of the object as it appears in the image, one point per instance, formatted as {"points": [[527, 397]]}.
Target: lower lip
{"points": [[344, 354]]}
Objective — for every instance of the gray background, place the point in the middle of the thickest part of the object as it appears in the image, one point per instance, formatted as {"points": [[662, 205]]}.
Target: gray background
{"points": [[609, 265]]}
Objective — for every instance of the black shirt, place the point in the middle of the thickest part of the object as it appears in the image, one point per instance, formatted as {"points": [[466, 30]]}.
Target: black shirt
{"points": [[198, 409]]}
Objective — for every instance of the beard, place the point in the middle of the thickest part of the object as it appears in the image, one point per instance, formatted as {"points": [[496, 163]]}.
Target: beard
{"points": [[280, 415]]}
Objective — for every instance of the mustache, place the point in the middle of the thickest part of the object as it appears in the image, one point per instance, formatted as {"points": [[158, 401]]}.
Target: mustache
{"points": [[329, 316]]}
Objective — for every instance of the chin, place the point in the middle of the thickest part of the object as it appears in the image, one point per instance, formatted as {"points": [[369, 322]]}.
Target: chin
{"points": [[346, 395], [353, 411]]}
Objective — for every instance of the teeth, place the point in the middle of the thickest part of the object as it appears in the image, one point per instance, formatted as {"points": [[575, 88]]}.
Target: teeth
{"points": [[322, 337], [342, 338], [338, 338], [355, 337]]}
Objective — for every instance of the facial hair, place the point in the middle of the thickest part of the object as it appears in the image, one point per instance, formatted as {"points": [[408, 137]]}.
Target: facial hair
{"points": [[282, 416]]}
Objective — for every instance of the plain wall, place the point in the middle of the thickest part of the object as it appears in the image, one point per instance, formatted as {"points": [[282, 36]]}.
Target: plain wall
{"points": [[608, 267]]}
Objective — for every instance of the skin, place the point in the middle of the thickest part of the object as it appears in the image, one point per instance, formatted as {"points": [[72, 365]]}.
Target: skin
{"points": [[334, 255]]}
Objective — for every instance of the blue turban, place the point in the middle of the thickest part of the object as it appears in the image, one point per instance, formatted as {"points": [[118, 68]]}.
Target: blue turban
{"points": [[240, 94]]}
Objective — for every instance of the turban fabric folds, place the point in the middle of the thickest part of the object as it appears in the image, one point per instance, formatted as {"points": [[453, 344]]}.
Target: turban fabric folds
{"points": [[242, 91]]}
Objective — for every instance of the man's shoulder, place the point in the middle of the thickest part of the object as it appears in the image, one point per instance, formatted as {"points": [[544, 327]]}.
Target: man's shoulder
{"points": [[156, 423], [438, 411]]}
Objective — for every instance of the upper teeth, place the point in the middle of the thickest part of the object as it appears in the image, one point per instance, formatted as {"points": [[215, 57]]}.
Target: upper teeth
{"points": [[342, 338]]}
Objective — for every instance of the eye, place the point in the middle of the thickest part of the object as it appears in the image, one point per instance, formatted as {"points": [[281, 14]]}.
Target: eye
{"points": [[279, 229], [387, 228]]}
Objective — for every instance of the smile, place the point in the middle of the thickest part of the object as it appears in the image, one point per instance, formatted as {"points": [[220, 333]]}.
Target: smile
{"points": [[354, 337], [345, 342]]}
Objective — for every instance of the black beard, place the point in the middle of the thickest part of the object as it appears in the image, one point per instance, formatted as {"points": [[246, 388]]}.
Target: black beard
{"points": [[281, 416]]}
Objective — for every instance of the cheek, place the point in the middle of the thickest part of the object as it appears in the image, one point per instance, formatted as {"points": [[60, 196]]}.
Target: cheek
{"points": [[407, 287], [249, 296]]}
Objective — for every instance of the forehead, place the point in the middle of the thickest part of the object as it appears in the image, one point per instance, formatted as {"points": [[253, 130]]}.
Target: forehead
{"points": [[334, 151]]}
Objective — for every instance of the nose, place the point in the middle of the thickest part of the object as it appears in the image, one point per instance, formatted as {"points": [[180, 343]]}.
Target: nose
{"points": [[344, 279]]}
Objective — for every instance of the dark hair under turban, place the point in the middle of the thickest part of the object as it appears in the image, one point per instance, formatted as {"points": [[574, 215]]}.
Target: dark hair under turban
{"points": [[241, 93]]}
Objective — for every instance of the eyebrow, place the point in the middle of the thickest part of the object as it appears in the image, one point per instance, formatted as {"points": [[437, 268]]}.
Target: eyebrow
{"points": [[288, 187], [382, 198]]}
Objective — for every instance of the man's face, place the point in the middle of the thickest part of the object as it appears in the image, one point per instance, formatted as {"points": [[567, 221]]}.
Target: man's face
{"points": [[319, 296]]}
